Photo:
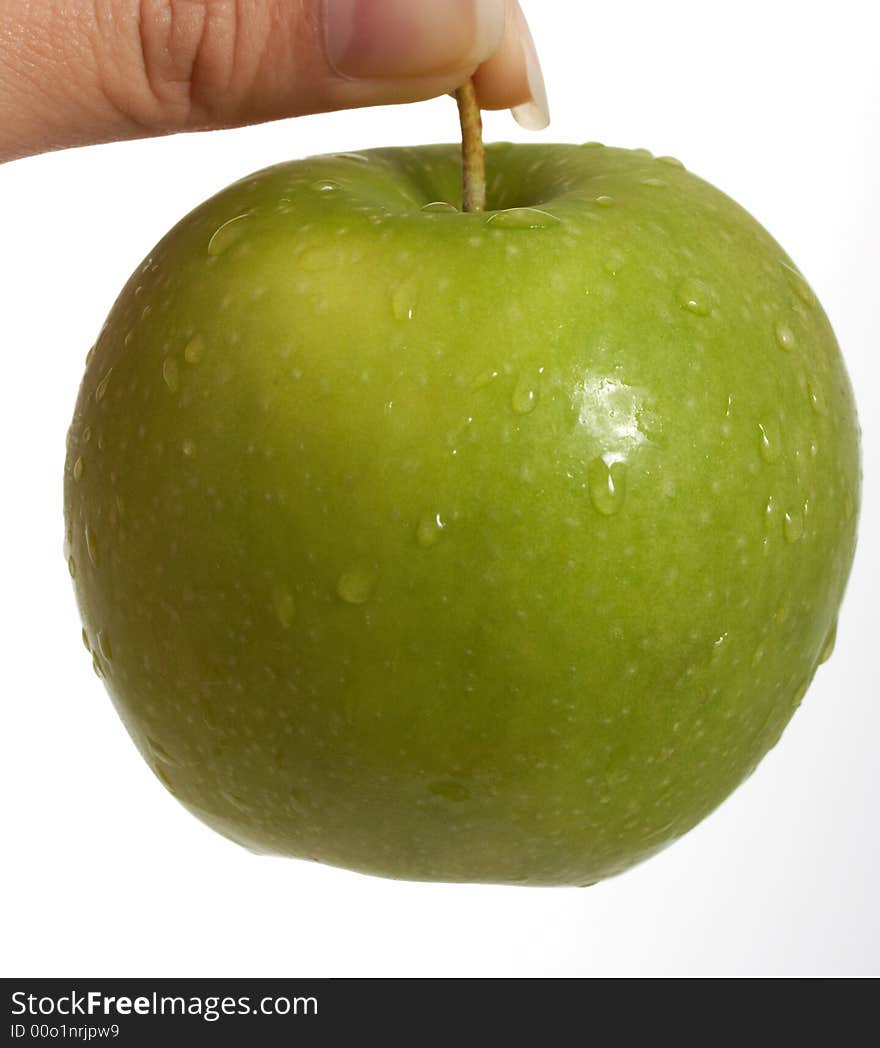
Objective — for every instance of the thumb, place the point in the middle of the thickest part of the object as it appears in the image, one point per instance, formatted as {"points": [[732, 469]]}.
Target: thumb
{"points": [[97, 70]]}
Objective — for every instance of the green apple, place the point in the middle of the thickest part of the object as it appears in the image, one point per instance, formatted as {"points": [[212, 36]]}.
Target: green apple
{"points": [[461, 546]]}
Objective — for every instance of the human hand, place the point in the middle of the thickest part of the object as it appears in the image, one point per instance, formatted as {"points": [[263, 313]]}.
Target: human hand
{"points": [[74, 72]]}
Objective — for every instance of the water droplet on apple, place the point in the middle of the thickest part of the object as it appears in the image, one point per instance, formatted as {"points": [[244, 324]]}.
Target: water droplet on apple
{"points": [[658, 183], [171, 374], [161, 774], [592, 145], [284, 607], [188, 447], [71, 566], [227, 234], [793, 525], [816, 397], [85, 640], [440, 207], [797, 283], [604, 200], [521, 218], [78, 468], [355, 586], [607, 485], [92, 546], [89, 355], [403, 300], [325, 185], [525, 394], [315, 259], [769, 512], [483, 379], [828, 645], [450, 791], [785, 336], [429, 529], [768, 444], [615, 261], [616, 771], [101, 388], [358, 158], [693, 295], [799, 694], [670, 161], [195, 350], [97, 667], [104, 645], [159, 753], [237, 802]]}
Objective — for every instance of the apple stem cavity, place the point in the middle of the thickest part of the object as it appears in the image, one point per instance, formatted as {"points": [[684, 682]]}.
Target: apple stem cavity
{"points": [[473, 156]]}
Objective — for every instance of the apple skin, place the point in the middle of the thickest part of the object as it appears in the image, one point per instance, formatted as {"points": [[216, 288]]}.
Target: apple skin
{"points": [[465, 547]]}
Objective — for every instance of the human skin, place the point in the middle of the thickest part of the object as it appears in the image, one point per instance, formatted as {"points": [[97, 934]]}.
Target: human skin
{"points": [[77, 73], [486, 547]]}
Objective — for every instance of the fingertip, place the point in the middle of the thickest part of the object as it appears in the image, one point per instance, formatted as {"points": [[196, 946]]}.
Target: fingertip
{"points": [[512, 77], [533, 114]]}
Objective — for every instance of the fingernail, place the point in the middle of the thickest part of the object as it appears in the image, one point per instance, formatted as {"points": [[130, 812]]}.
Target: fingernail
{"points": [[533, 115], [368, 39]]}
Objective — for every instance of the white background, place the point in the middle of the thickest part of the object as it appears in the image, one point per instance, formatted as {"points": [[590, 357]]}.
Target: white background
{"points": [[778, 103]]}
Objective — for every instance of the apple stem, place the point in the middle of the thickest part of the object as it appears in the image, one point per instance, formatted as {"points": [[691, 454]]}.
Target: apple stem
{"points": [[473, 156]]}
